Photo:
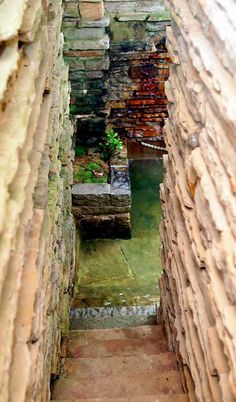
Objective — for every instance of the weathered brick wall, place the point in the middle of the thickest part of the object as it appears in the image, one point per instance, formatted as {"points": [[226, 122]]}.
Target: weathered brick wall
{"points": [[139, 66], [199, 196], [118, 65], [36, 227]]}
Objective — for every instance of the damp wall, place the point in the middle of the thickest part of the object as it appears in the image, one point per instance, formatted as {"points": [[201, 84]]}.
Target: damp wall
{"points": [[36, 225], [198, 230]]}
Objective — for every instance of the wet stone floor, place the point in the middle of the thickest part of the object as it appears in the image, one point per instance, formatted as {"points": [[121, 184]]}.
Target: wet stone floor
{"points": [[125, 272]]}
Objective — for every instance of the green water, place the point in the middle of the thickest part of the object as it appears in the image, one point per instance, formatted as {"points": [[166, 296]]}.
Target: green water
{"points": [[125, 272]]}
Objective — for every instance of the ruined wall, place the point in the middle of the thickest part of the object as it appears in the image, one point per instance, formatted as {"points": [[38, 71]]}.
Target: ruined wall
{"points": [[139, 66], [36, 227], [199, 196], [118, 66]]}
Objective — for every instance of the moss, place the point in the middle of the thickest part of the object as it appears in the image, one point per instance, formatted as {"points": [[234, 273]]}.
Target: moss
{"points": [[160, 16], [124, 31]]}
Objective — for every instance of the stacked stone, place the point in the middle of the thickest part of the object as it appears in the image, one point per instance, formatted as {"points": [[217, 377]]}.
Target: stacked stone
{"points": [[199, 196], [139, 66], [86, 51], [36, 226], [103, 210]]}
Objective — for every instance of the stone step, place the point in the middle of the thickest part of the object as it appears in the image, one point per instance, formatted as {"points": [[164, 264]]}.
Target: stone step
{"points": [[141, 332], [119, 365], [122, 386], [77, 347], [151, 398]]}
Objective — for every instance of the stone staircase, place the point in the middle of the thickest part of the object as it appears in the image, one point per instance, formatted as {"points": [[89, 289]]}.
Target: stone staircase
{"points": [[119, 365]]}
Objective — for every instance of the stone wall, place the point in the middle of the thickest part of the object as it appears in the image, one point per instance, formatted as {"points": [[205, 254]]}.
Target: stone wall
{"points": [[139, 66], [86, 51], [198, 229], [36, 225], [118, 66]]}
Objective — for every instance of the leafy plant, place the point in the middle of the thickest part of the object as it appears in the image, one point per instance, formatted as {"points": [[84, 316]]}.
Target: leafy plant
{"points": [[80, 151], [110, 145]]}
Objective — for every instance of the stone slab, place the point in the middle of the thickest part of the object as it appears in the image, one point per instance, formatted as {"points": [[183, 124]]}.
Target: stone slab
{"points": [[91, 11]]}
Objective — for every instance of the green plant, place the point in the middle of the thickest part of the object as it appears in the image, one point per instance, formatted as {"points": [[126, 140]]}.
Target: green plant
{"points": [[73, 109], [84, 174], [110, 145], [80, 151], [94, 166]]}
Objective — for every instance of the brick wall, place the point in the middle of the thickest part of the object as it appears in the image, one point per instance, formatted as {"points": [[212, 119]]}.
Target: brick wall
{"points": [[139, 67], [118, 66], [36, 227], [199, 196]]}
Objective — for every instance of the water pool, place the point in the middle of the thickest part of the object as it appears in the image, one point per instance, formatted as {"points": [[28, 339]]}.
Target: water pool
{"points": [[125, 272]]}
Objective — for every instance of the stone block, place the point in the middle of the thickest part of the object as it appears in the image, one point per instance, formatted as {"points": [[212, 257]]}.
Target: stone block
{"points": [[91, 11], [83, 33], [97, 64], [91, 194], [102, 23], [88, 44], [132, 17], [71, 10], [120, 177], [120, 197]]}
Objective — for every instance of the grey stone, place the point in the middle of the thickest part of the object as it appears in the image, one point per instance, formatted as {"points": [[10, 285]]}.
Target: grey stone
{"points": [[132, 17], [71, 10], [74, 63], [98, 23], [164, 16], [120, 177], [75, 75], [97, 63], [83, 33], [157, 26], [102, 210], [88, 44], [91, 194], [120, 197]]}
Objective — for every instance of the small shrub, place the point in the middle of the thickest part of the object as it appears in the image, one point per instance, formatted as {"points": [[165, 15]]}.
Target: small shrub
{"points": [[94, 166], [84, 174], [80, 151], [110, 145]]}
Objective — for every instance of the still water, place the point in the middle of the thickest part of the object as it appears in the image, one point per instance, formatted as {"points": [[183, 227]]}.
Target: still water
{"points": [[125, 272]]}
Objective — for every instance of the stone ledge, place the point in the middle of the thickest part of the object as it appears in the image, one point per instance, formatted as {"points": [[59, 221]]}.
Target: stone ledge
{"points": [[103, 210]]}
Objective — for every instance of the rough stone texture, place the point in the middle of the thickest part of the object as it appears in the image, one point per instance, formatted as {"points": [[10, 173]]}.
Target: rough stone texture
{"points": [[199, 196], [103, 210], [36, 227]]}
